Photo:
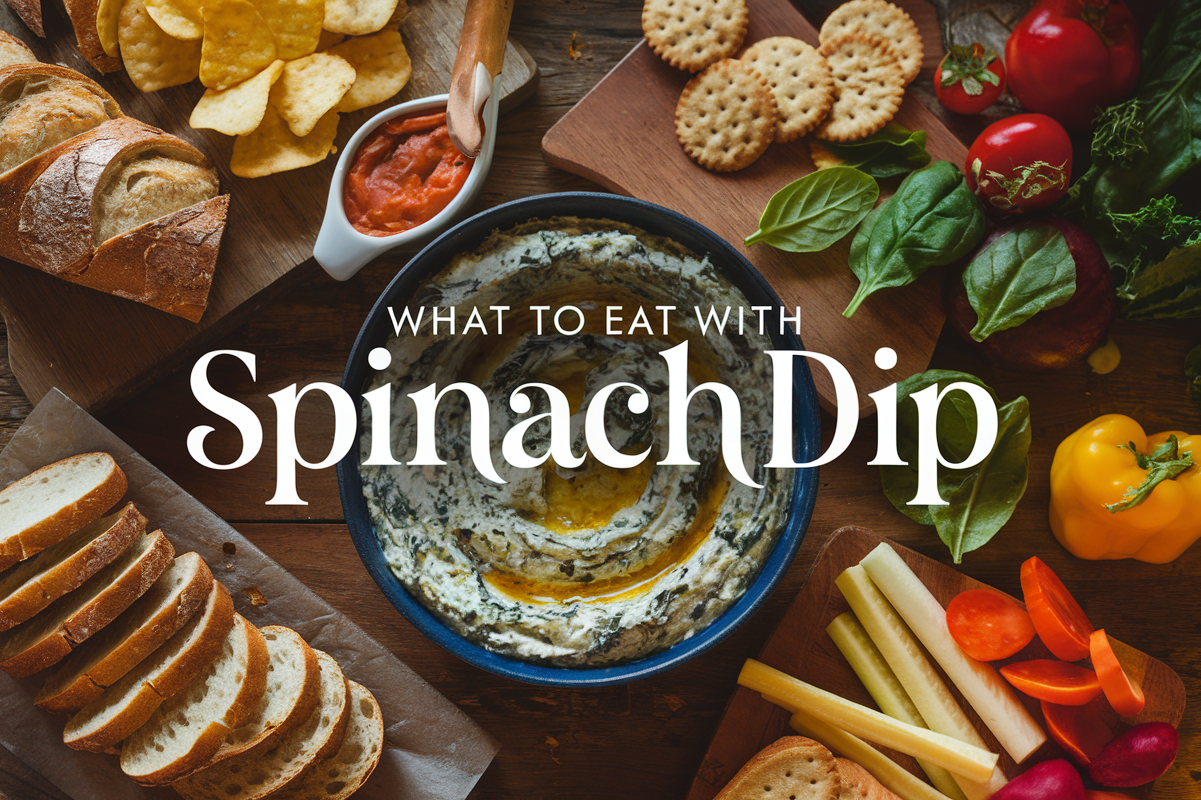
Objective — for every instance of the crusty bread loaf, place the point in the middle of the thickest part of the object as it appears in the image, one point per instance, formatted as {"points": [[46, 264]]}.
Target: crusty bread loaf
{"points": [[37, 582], [14, 51], [128, 703], [293, 683], [51, 635], [186, 730], [83, 19], [50, 504], [271, 767], [791, 768], [175, 598], [341, 775]]}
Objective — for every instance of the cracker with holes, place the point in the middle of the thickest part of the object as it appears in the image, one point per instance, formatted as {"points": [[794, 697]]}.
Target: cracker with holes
{"points": [[793, 768], [726, 116], [692, 34], [800, 80], [868, 86], [883, 19]]}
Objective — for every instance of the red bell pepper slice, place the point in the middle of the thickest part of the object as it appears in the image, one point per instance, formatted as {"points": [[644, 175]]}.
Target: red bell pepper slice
{"points": [[1122, 692], [1082, 731], [1054, 681], [1060, 621]]}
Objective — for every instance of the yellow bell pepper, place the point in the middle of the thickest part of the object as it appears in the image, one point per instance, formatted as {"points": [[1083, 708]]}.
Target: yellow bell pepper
{"points": [[1118, 493]]}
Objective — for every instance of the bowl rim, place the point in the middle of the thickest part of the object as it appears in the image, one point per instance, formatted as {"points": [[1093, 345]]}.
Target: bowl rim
{"points": [[807, 431]]}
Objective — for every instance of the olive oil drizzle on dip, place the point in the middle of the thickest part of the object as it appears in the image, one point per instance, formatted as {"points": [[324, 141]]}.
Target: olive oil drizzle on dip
{"points": [[591, 566]]}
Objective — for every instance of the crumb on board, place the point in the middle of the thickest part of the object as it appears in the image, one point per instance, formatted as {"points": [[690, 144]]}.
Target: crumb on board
{"points": [[574, 50], [255, 596]]}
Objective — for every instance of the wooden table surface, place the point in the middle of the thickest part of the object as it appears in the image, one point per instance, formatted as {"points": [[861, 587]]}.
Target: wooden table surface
{"points": [[643, 740]]}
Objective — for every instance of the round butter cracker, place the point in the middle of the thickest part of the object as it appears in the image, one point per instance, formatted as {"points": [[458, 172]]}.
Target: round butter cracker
{"points": [[726, 116], [800, 80], [868, 86], [693, 34], [883, 19]]}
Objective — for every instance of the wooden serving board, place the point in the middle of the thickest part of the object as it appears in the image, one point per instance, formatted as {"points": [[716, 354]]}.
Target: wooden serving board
{"points": [[622, 135], [99, 349], [800, 646]]}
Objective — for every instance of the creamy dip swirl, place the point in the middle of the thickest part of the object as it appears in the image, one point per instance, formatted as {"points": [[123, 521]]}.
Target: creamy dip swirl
{"points": [[590, 566]]}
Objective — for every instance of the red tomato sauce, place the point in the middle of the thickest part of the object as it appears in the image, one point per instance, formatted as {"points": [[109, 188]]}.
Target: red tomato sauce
{"points": [[404, 173]]}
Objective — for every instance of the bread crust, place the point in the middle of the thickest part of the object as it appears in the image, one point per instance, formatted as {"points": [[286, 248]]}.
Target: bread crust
{"points": [[18, 545], [55, 580], [83, 19], [79, 682], [30, 12]]}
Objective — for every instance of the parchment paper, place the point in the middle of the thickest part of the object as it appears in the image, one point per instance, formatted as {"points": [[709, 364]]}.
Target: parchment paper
{"points": [[433, 751]]}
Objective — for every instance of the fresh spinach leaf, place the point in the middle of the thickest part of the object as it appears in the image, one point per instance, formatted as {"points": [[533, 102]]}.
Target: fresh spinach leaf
{"points": [[980, 499], [891, 151], [815, 211], [1022, 272], [1192, 371], [933, 219], [1157, 260], [1170, 289]]}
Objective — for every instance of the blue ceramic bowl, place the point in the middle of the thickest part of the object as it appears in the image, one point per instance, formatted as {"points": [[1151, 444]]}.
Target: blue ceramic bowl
{"points": [[657, 220]]}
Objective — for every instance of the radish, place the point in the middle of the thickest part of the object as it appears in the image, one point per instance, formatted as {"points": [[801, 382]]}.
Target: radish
{"points": [[1138, 756], [1050, 780]]}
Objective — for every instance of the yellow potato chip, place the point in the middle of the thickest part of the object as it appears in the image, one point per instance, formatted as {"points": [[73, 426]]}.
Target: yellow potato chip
{"points": [[179, 18], [273, 148], [108, 23], [400, 12], [310, 87], [357, 17], [329, 39], [381, 65], [238, 110], [153, 59], [296, 25], [237, 43]]}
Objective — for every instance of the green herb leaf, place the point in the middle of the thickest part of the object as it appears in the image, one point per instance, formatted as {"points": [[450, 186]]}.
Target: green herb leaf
{"points": [[1118, 134], [1192, 370], [980, 499], [933, 219], [890, 151], [817, 210], [1163, 464], [1022, 272]]}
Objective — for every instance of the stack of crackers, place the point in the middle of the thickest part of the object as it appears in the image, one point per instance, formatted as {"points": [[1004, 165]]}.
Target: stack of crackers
{"points": [[781, 88], [799, 768]]}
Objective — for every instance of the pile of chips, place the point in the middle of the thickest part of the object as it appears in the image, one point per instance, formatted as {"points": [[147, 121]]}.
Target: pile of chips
{"points": [[277, 72]]}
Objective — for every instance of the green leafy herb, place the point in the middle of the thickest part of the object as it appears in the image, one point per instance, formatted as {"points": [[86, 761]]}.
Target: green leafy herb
{"points": [[1022, 272], [1156, 254], [1192, 371], [890, 151], [933, 219], [980, 499], [1118, 134], [817, 210], [1163, 464]]}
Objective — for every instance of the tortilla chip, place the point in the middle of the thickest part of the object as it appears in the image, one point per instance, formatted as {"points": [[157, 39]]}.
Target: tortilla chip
{"points": [[296, 25], [179, 18], [238, 110], [273, 148], [357, 17], [153, 59], [382, 68], [237, 43], [309, 88]]}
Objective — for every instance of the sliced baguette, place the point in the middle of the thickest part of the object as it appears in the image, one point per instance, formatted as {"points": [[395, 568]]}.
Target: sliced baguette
{"points": [[341, 775], [83, 15], [188, 728], [30, 12], [293, 684], [71, 620], [14, 51], [50, 504], [266, 769], [123, 707], [36, 582], [174, 599], [791, 767]]}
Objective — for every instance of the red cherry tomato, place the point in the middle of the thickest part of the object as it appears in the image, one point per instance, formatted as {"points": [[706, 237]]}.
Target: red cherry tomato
{"points": [[1020, 163], [988, 625], [1060, 621], [1071, 58], [969, 79]]}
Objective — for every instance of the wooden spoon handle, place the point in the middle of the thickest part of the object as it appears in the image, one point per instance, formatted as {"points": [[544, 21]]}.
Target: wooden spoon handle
{"points": [[485, 30]]}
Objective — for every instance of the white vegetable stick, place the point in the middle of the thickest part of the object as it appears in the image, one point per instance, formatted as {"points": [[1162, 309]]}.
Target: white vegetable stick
{"points": [[869, 664], [921, 682], [980, 684], [867, 723]]}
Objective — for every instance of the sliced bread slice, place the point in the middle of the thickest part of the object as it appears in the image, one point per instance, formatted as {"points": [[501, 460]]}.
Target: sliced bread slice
{"points": [[175, 598], [341, 775], [126, 705], [791, 768], [293, 683], [51, 635], [50, 504], [37, 582], [265, 769], [186, 730]]}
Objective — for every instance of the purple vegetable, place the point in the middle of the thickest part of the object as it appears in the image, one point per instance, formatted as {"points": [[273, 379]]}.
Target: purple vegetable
{"points": [[1050, 780], [1138, 756]]}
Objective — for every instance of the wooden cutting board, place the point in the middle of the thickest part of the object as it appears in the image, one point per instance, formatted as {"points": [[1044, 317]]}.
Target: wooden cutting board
{"points": [[800, 646], [622, 135], [99, 349]]}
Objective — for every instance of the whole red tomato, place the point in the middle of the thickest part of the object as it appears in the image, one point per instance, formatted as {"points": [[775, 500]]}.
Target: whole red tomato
{"points": [[1071, 58], [1020, 163], [969, 79]]}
